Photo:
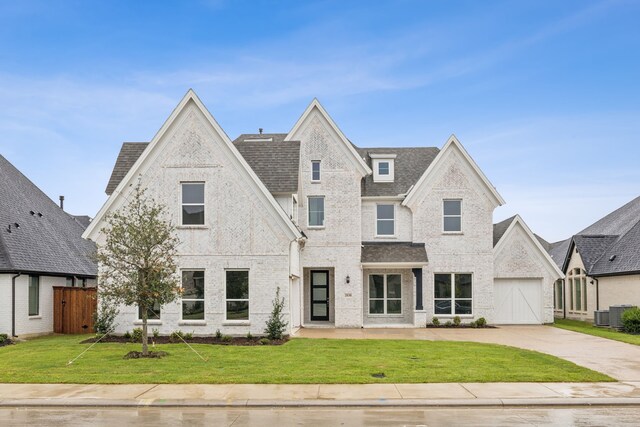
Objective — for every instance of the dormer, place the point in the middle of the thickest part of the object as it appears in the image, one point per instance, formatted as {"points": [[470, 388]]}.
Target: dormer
{"points": [[383, 167]]}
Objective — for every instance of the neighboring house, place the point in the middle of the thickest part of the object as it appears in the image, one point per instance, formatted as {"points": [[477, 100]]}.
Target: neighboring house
{"points": [[353, 237], [40, 247], [601, 263]]}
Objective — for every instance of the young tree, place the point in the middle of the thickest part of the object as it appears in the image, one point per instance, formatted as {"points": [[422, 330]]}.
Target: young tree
{"points": [[137, 263]]}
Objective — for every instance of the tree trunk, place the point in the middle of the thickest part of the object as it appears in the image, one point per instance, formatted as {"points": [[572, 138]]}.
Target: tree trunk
{"points": [[145, 338]]}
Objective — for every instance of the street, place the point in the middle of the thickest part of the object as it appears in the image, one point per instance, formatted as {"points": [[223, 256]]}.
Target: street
{"points": [[156, 417]]}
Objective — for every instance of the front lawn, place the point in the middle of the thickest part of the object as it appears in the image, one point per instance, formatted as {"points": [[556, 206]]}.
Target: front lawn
{"points": [[45, 360], [588, 328]]}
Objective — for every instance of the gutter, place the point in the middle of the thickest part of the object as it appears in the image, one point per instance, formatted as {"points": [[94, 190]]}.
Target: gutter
{"points": [[13, 304]]}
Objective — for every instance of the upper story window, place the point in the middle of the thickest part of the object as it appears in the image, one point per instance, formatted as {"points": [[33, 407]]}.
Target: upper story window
{"points": [[316, 211], [315, 171], [452, 215], [383, 167], [193, 203], [385, 220]]}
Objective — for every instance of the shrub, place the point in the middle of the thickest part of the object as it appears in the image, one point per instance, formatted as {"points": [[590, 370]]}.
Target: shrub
{"points": [[448, 324], [227, 338], [264, 341], [176, 336], [473, 324], [456, 320], [249, 336], [188, 336], [276, 324], [435, 321], [631, 321], [481, 322], [136, 335], [218, 334], [156, 333], [127, 335], [3, 338], [105, 317]]}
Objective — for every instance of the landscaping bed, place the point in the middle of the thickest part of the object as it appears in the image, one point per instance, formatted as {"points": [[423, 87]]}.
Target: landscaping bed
{"points": [[224, 340], [5, 340]]}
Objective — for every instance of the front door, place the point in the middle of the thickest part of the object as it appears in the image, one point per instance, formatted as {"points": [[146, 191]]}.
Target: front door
{"points": [[319, 295]]}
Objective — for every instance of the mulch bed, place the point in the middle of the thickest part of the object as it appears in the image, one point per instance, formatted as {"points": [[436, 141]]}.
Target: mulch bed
{"points": [[150, 355], [6, 342], [241, 341], [461, 326]]}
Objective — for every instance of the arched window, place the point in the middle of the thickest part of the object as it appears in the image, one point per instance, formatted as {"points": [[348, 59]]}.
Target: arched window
{"points": [[577, 279]]}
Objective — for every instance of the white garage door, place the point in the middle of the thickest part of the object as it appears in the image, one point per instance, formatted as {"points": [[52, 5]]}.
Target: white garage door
{"points": [[518, 301]]}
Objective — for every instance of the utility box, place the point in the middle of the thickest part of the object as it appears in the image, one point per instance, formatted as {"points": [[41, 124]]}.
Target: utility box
{"points": [[615, 315], [601, 317]]}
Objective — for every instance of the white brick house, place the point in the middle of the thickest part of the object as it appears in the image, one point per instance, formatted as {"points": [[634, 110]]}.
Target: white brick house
{"points": [[354, 237]]}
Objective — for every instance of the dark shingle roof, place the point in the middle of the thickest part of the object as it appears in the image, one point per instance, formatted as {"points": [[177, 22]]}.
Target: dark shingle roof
{"points": [[47, 239], [275, 162], [83, 220], [129, 153], [393, 252], [409, 165], [621, 257], [558, 251], [500, 228], [617, 222], [591, 247]]}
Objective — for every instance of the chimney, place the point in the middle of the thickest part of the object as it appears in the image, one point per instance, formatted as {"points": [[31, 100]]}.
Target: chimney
{"points": [[260, 130], [62, 202]]}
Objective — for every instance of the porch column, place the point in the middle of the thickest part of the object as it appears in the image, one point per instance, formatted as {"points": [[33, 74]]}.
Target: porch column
{"points": [[417, 272]]}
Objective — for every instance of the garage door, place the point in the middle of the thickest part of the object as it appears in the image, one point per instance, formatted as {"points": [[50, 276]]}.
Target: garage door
{"points": [[518, 301]]}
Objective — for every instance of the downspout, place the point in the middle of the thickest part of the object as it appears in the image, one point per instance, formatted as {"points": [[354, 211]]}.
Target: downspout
{"points": [[13, 304]]}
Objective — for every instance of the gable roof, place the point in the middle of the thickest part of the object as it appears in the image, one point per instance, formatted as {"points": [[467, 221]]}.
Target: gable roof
{"points": [[276, 162], [558, 251], [409, 165], [350, 151], [503, 230], [46, 239], [129, 153], [190, 97], [623, 256], [453, 143]]}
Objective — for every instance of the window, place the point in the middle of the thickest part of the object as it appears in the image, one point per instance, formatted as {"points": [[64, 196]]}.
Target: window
{"points": [[193, 295], [385, 220], [383, 168], [153, 313], [34, 295], [315, 170], [385, 294], [577, 280], [193, 203], [452, 215], [453, 294], [70, 282], [237, 295], [316, 211], [559, 294]]}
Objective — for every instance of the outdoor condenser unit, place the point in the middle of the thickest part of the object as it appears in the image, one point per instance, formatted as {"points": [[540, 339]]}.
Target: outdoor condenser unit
{"points": [[615, 315], [601, 317]]}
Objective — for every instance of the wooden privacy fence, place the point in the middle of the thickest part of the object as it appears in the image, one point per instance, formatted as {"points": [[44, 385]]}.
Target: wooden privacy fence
{"points": [[73, 310]]}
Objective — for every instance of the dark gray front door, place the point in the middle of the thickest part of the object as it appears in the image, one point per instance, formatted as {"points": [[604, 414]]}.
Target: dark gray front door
{"points": [[319, 295]]}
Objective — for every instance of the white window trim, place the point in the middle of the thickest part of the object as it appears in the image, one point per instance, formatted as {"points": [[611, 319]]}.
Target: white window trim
{"points": [[158, 320], [203, 299], [324, 205], [584, 301], [395, 222], [384, 293], [453, 297], [315, 181], [248, 300], [203, 204], [37, 315], [452, 216], [390, 177]]}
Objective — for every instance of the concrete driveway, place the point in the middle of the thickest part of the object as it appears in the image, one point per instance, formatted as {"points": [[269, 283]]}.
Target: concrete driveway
{"points": [[616, 359]]}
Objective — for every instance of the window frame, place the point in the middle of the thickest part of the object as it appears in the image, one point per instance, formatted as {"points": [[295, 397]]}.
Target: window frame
{"points": [[383, 158], [152, 310], [444, 216], [577, 279], [34, 279], [384, 162], [313, 163], [453, 298], [226, 299], [393, 220], [203, 204], [558, 295], [324, 212], [203, 299], [385, 298]]}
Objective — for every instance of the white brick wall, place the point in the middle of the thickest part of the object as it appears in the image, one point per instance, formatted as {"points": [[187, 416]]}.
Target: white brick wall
{"points": [[403, 221]]}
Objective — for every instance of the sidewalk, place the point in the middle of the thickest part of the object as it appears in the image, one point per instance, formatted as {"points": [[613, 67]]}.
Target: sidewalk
{"points": [[318, 395]]}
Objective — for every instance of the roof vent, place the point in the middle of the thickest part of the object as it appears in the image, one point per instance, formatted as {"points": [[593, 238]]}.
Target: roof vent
{"points": [[260, 130], [612, 257], [32, 212], [40, 214]]}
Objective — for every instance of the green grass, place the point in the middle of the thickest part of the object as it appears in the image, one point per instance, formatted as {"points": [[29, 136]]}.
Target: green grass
{"points": [[45, 360], [588, 328]]}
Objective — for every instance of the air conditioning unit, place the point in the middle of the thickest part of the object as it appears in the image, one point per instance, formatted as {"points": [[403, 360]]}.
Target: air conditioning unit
{"points": [[615, 315], [601, 317]]}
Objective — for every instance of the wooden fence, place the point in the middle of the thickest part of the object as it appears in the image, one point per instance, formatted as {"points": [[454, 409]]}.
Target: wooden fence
{"points": [[73, 310]]}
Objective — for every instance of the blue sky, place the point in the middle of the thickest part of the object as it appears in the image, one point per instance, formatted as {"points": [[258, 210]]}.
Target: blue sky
{"points": [[543, 94]]}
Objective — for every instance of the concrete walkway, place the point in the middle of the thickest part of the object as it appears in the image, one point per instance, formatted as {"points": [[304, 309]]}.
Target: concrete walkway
{"points": [[616, 359], [257, 395]]}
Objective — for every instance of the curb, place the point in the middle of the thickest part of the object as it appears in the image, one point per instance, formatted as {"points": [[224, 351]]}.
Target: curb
{"points": [[319, 403]]}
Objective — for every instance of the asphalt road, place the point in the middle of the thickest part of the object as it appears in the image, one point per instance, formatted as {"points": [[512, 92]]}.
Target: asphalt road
{"points": [[156, 417]]}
